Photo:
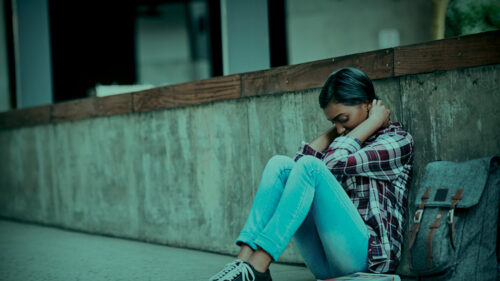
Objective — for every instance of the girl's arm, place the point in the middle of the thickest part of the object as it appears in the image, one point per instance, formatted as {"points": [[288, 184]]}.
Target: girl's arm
{"points": [[318, 145], [378, 116], [384, 158], [321, 143]]}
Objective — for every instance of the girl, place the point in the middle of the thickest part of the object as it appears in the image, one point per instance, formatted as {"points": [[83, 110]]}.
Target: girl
{"points": [[343, 198]]}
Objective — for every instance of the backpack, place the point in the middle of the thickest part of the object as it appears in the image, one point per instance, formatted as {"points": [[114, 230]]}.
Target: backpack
{"points": [[454, 231]]}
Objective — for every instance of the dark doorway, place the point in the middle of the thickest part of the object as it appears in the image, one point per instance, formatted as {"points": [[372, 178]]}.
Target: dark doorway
{"points": [[92, 43]]}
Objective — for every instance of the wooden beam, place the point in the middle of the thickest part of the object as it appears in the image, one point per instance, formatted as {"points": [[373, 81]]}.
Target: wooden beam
{"points": [[376, 64], [466, 51], [30, 116], [191, 93]]}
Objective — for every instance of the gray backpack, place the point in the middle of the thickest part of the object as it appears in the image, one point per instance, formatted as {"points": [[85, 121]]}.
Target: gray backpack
{"points": [[454, 230]]}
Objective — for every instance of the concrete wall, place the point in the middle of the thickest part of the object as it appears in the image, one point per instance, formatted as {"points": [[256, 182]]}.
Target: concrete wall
{"points": [[163, 48], [5, 104], [315, 30], [187, 176], [327, 28], [32, 52]]}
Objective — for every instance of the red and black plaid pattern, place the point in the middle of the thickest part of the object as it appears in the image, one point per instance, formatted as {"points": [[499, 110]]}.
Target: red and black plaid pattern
{"points": [[375, 174]]}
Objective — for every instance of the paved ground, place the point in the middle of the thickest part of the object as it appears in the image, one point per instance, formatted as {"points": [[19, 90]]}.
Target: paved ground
{"points": [[34, 252]]}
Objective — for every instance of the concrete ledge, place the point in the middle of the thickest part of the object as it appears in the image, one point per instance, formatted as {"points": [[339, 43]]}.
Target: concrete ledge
{"points": [[186, 176]]}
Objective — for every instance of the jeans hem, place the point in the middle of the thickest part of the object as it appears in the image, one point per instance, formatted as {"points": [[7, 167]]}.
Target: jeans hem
{"points": [[269, 246], [247, 239]]}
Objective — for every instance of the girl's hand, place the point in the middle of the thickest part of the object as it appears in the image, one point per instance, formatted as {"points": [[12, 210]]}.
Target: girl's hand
{"points": [[379, 113]]}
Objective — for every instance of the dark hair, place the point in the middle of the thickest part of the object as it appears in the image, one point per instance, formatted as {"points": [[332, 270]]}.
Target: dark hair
{"points": [[349, 86]]}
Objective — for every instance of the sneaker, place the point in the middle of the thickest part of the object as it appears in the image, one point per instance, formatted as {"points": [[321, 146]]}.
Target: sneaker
{"points": [[246, 272], [227, 268]]}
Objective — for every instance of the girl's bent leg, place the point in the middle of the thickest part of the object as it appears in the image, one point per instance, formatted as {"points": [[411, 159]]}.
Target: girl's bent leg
{"points": [[274, 178], [292, 209], [335, 224], [309, 244], [310, 181]]}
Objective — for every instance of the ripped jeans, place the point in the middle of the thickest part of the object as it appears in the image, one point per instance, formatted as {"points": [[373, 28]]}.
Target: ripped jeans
{"points": [[303, 200]]}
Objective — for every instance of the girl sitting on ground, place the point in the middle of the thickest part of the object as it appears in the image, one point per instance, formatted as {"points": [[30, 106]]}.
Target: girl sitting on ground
{"points": [[343, 198]]}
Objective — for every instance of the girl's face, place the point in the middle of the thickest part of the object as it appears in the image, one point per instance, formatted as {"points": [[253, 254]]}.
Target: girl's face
{"points": [[347, 116]]}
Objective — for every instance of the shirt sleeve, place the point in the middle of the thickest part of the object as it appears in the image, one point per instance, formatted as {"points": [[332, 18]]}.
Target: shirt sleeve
{"points": [[384, 159], [306, 149]]}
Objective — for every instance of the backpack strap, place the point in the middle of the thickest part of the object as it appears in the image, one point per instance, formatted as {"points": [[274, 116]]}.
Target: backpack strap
{"points": [[451, 222], [418, 218], [416, 222], [433, 228], [451, 214]]}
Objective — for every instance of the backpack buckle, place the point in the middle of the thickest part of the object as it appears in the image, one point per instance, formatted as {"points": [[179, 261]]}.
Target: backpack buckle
{"points": [[451, 216], [418, 216]]}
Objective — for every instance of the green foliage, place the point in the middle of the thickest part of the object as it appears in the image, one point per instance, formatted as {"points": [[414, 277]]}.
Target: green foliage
{"points": [[472, 16]]}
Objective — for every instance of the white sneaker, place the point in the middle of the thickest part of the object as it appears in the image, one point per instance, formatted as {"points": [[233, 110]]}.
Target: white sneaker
{"points": [[234, 265]]}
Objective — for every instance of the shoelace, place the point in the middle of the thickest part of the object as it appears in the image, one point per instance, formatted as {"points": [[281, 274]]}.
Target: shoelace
{"points": [[244, 269], [228, 268]]}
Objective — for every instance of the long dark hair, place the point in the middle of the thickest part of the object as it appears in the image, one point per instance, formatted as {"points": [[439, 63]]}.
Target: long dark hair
{"points": [[349, 86]]}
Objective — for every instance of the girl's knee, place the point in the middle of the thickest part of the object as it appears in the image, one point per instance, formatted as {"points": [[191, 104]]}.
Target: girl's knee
{"points": [[280, 161], [308, 160]]}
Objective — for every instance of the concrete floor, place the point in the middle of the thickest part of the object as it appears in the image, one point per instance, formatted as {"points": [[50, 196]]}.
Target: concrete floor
{"points": [[34, 252]]}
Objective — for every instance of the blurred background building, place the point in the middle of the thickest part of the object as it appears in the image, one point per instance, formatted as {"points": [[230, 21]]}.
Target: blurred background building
{"points": [[53, 51]]}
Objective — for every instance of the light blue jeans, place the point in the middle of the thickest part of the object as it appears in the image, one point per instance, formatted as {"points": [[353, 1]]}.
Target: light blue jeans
{"points": [[303, 200]]}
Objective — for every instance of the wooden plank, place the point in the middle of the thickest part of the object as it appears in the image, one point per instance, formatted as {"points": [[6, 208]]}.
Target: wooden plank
{"points": [[25, 117], [467, 51], [74, 110], [376, 64], [191, 93], [114, 105]]}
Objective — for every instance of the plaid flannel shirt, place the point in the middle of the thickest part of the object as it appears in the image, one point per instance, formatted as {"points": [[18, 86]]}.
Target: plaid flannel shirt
{"points": [[375, 175]]}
